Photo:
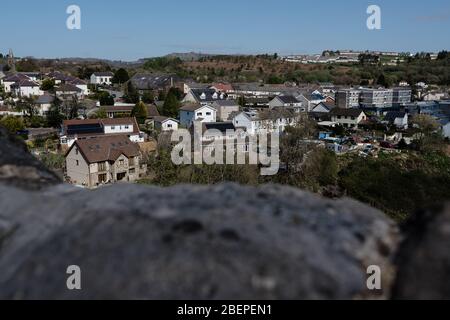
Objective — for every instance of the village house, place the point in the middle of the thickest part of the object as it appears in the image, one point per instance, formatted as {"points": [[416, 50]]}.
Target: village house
{"points": [[67, 91], [197, 112], [222, 87], [102, 78], [103, 160], [121, 110], [26, 88], [57, 77], [164, 124], [74, 130], [310, 100], [33, 76], [348, 118], [323, 107], [399, 119], [8, 81], [154, 82], [80, 84], [257, 90], [254, 122], [287, 101], [223, 132], [203, 96], [44, 103], [434, 96], [225, 108]]}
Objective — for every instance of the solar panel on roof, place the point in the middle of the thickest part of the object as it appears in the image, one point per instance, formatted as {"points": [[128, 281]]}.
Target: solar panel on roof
{"points": [[84, 129]]}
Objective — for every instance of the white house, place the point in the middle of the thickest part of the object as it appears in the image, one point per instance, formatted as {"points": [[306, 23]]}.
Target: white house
{"points": [[399, 119], [26, 88], [100, 78], [197, 112], [74, 130], [253, 123], [68, 90], [348, 118], [80, 84], [446, 130], [44, 103], [165, 124], [11, 80]]}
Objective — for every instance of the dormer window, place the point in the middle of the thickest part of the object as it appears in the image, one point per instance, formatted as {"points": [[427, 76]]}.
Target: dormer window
{"points": [[215, 95], [203, 96]]}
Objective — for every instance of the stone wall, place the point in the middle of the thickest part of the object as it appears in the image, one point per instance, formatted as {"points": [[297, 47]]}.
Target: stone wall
{"points": [[205, 242]]}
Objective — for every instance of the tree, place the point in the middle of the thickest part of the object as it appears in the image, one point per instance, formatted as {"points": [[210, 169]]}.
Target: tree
{"points": [[105, 99], [161, 96], [131, 94], [54, 115], [27, 105], [384, 81], [273, 79], [12, 124], [101, 113], [443, 55], [27, 65], [48, 84], [74, 107], [148, 97], [121, 76], [427, 137], [140, 112], [368, 58], [171, 105]]}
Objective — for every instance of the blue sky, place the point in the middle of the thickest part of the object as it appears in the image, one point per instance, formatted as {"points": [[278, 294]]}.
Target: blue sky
{"points": [[128, 30]]}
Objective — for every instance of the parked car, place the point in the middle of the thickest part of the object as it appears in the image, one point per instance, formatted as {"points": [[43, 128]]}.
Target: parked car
{"points": [[387, 145]]}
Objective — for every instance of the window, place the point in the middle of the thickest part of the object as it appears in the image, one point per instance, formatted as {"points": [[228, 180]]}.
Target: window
{"points": [[127, 127], [113, 128], [169, 125], [131, 161], [121, 162], [199, 114], [76, 151], [132, 171], [77, 162], [208, 113], [102, 178], [102, 166]]}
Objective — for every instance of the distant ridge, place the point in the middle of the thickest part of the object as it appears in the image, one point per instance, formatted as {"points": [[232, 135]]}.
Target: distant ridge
{"points": [[189, 56]]}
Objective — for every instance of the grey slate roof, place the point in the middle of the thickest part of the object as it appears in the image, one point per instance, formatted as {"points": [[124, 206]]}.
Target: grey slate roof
{"points": [[45, 99], [208, 93], [152, 81], [104, 74], [346, 112], [288, 99], [392, 115], [226, 103]]}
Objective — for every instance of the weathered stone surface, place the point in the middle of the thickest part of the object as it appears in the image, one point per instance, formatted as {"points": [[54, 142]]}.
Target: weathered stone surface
{"points": [[190, 242], [424, 258], [20, 168]]}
